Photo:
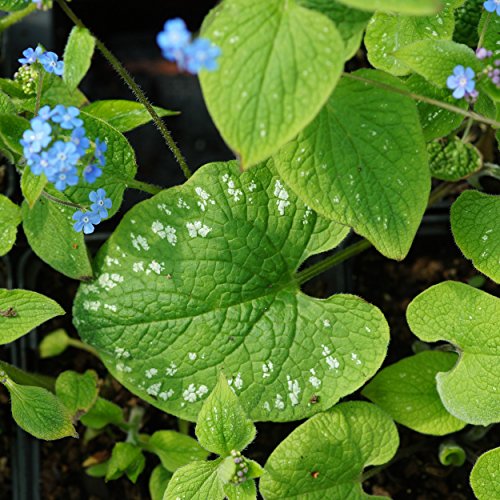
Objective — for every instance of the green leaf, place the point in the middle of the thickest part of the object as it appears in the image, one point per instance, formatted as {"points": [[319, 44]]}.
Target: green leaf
{"points": [[158, 482], [362, 162], [78, 392], [39, 412], [6, 105], [48, 226], [124, 115], [467, 318], [407, 391], [436, 60], [484, 476], [103, 413], [351, 23], [126, 458], [197, 481], [223, 425], [12, 88], [119, 169], [22, 377], [12, 129], [414, 7], [475, 225], [10, 218], [325, 456], [436, 122], [491, 31], [32, 186], [22, 310], [98, 470], [452, 160], [54, 343], [77, 56], [388, 35], [199, 280], [452, 454], [243, 491], [279, 64], [13, 5], [176, 450]]}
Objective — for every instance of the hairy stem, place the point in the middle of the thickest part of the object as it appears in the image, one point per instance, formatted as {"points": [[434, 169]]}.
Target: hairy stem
{"points": [[143, 186], [39, 88], [82, 346], [15, 17], [417, 97], [62, 202], [136, 90]]}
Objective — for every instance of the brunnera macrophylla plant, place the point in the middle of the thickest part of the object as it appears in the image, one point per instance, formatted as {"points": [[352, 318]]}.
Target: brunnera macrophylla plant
{"points": [[195, 302]]}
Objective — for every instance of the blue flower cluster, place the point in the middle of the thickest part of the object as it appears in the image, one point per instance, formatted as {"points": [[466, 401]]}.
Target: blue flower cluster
{"points": [[57, 144], [49, 60], [492, 6], [86, 220], [177, 46], [462, 83]]}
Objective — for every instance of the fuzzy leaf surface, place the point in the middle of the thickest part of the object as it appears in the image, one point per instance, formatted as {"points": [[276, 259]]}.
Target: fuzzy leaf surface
{"points": [[78, 56], [484, 476]]}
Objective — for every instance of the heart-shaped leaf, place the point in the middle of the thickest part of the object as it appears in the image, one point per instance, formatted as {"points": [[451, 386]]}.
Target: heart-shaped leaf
{"points": [[407, 391], [200, 279], [362, 162], [475, 222], [10, 217], [274, 52], [484, 476], [324, 457], [468, 318]]}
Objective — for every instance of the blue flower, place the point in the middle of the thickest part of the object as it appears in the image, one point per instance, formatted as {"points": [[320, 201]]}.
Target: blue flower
{"points": [[100, 148], [38, 136], [63, 177], [91, 173], [63, 154], [42, 164], [45, 113], [80, 140], [67, 117], [51, 64], [85, 221], [31, 56], [173, 39], [201, 54], [100, 204], [462, 81], [492, 6]]}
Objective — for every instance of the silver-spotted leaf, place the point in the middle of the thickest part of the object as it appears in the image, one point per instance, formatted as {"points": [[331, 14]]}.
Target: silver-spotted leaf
{"points": [[325, 456], [467, 318], [10, 218], [407, 391], [475, 223], [484, 478], [279, 63], [200, 279], [362, 162]]}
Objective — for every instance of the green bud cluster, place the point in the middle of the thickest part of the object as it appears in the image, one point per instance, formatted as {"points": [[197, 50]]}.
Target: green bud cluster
{"points": [[241, 471], [27, 77]]}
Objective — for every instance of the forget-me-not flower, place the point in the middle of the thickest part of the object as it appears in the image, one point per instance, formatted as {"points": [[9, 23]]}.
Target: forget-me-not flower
{"points": [[31, 56], [38, 136], [80, 140], [100, 148], [201, 54], [461, 81], [100, 204], [67, 117], [91, 172], [51, 64], [173, 39], [492, 6], [85, 221]]}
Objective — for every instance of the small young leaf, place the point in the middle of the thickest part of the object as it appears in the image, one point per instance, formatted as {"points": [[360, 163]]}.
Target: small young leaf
{"points": [[77, 56], [467, 318], [158, 482], [126, 458], [22, 377], [273, 53], [379, 183], [388, 34], [407, 391], [413, 7], [39, 412], [242, 491], [32, 186], [451, 454], [197, 481], [475, 223], [103, 413], [223, 424], [77, 392], [54, 343], [435, 60], [22, 310], [48, 226], [10, 217], [484, 476], [452, 160], [325, 456], [176, 450], [124, 115], [98, 470]]}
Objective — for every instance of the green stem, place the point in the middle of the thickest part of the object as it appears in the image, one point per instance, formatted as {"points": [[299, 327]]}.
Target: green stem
{"points": [[62, 202], [136, 90], [143, 186], [468, 126], [183, 426], [417, 97], [483, 31], [39, 88], [15, 17], [82, 346]]}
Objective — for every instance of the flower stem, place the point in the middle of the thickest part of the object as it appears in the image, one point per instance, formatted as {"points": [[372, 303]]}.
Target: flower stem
{"points": [[39, 89], [417, 97], [143, 186], [136, 90], [62, 202], [15, 17]]}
